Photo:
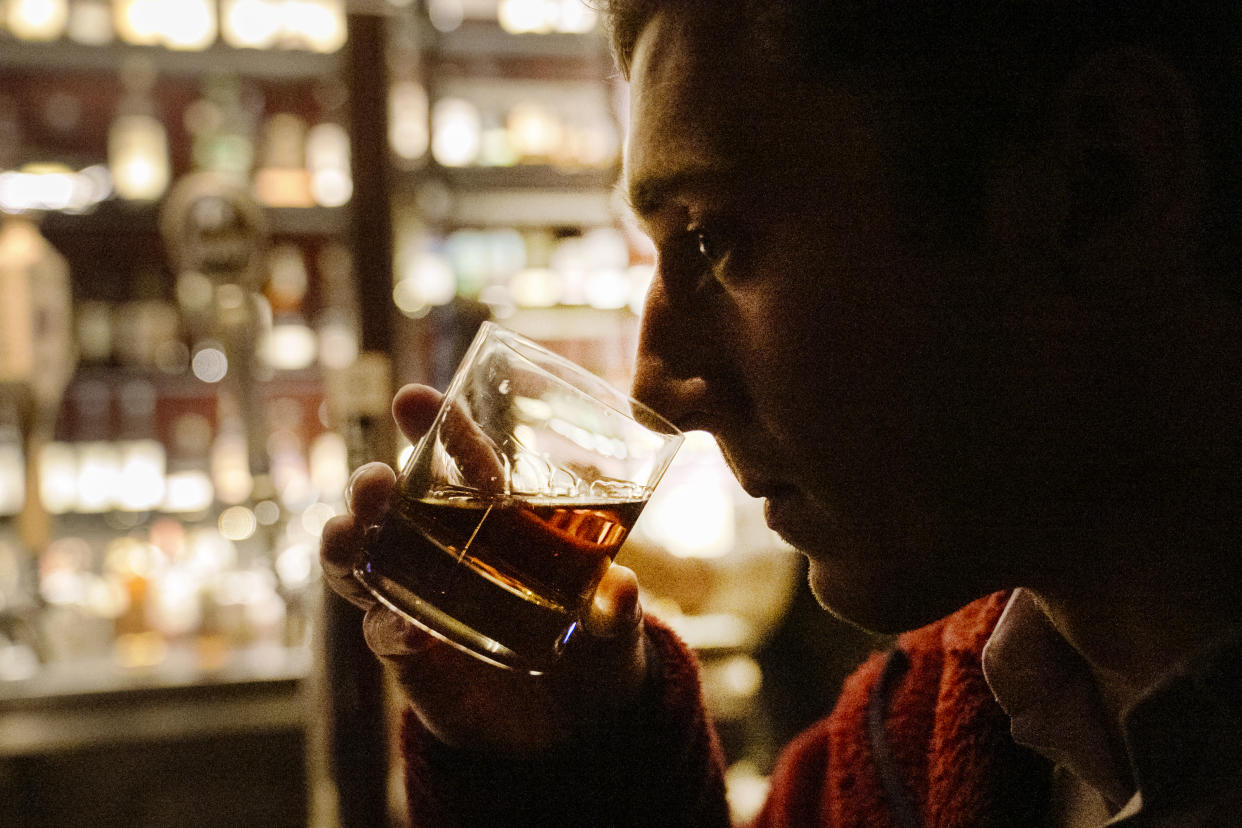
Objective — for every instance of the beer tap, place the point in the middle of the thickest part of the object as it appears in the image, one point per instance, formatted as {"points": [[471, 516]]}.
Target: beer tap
{"points": [[212, 226]]}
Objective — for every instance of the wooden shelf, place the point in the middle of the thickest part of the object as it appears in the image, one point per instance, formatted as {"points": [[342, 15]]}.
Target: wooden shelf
{"points": [[519, 176], [484, 39], [518, 196], [127, 218], [525, 208], [78, 704], [273, 64]]}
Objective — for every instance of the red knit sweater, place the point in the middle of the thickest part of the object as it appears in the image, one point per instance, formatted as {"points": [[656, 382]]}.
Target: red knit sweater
{"points": [[935, 727], [948, 739]]}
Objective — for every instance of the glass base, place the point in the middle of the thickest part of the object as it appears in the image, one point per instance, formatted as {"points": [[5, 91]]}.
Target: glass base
{"points": [[443, 626]]}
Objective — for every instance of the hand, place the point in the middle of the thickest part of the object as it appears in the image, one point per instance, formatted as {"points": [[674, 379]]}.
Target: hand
{"points": [[464, 702]]}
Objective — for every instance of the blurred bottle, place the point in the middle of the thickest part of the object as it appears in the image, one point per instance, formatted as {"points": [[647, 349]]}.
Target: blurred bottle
{"points": [[90, 22], [222, 127], [137, 142]]}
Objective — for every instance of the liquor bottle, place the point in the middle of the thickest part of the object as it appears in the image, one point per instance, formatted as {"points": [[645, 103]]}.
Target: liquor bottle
{"points": [[137, 141]]}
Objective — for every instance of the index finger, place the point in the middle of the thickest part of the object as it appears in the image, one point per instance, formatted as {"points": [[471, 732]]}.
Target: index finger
{"points": [[476, 455], [414, 407]]}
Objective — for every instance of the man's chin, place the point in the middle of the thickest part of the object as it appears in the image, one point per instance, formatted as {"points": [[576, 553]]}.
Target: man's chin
{"points": [[882, 606]]}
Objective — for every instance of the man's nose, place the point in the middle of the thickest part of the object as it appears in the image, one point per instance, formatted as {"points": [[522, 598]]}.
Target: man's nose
{"points": [[669, 376]]}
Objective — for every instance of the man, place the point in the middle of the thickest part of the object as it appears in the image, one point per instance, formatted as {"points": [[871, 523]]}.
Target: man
{"points": [[950, 284]]}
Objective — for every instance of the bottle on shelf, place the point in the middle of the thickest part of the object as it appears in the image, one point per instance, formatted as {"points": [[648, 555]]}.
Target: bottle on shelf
{"points": [[137, 141]]}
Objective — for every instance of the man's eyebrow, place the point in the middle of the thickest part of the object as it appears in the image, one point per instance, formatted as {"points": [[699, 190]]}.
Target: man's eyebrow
{"points": [[648, 194]]}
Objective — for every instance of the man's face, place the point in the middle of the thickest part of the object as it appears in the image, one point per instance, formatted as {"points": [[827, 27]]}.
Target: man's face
{"points": [[846, 381]]}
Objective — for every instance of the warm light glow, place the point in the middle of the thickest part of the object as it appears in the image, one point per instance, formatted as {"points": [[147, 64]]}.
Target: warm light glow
{"points": [[105, 597], [594, 143], [315, 516], [41, 20], [230, 468], [276, 187], [318, 25], [137, 21], [237, 523], [407, 119], [208, 553], [296, 564], [287, 277], [142, 649], [142, 469], [427, 282], [253, 24], [455, 132], [209, 364], [543, 16], [18, 662], [188, 24], [575, 17], [605, 247], [527, 16], [691, 516], [267, 512], [188, 492], [58, 477], [52, 187], [569, 260], [608, 289], [289, 346], [12, 478], [179, 24], [535, 287], [534, 132], [405, 296], [332, 187], [329, 465], [640, 280], [99, 476], [445, 15], [130, 556], [338, 345], [290, 473], [90, 22], [176, 603], [138, 157], [498, 300], [328, 159]]}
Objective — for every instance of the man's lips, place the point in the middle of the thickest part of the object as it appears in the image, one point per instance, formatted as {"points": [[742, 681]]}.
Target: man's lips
{"points": [[779, 509], [760, 488], [779, 501]]}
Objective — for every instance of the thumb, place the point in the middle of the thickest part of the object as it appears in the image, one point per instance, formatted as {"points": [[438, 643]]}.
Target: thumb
{"points": [[391, 636], [615, 610]]}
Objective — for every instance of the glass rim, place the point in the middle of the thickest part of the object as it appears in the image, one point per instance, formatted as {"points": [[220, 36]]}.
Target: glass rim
{"points": [[517, 342]]}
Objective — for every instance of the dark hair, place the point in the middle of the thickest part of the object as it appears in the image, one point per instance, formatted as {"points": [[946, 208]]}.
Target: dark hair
{"points": [[972, 76]]}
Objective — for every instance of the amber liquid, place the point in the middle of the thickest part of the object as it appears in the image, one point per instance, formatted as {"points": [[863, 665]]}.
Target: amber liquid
{"points": [[503, 578]]}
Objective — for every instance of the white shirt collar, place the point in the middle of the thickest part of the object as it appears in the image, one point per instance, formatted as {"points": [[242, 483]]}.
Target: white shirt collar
{"points": [[1053, 706]]}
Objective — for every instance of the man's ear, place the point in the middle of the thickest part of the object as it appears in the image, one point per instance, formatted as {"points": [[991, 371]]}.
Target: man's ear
{"points": [[1125, 142]]}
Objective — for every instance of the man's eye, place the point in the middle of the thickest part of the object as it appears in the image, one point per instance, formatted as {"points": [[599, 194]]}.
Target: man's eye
{"points": [[701, 257], [711, 247]]}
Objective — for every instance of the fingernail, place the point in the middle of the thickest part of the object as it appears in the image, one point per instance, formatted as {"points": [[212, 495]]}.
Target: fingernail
{"points": [[636, 612], [618, 619], [349, 491]]}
